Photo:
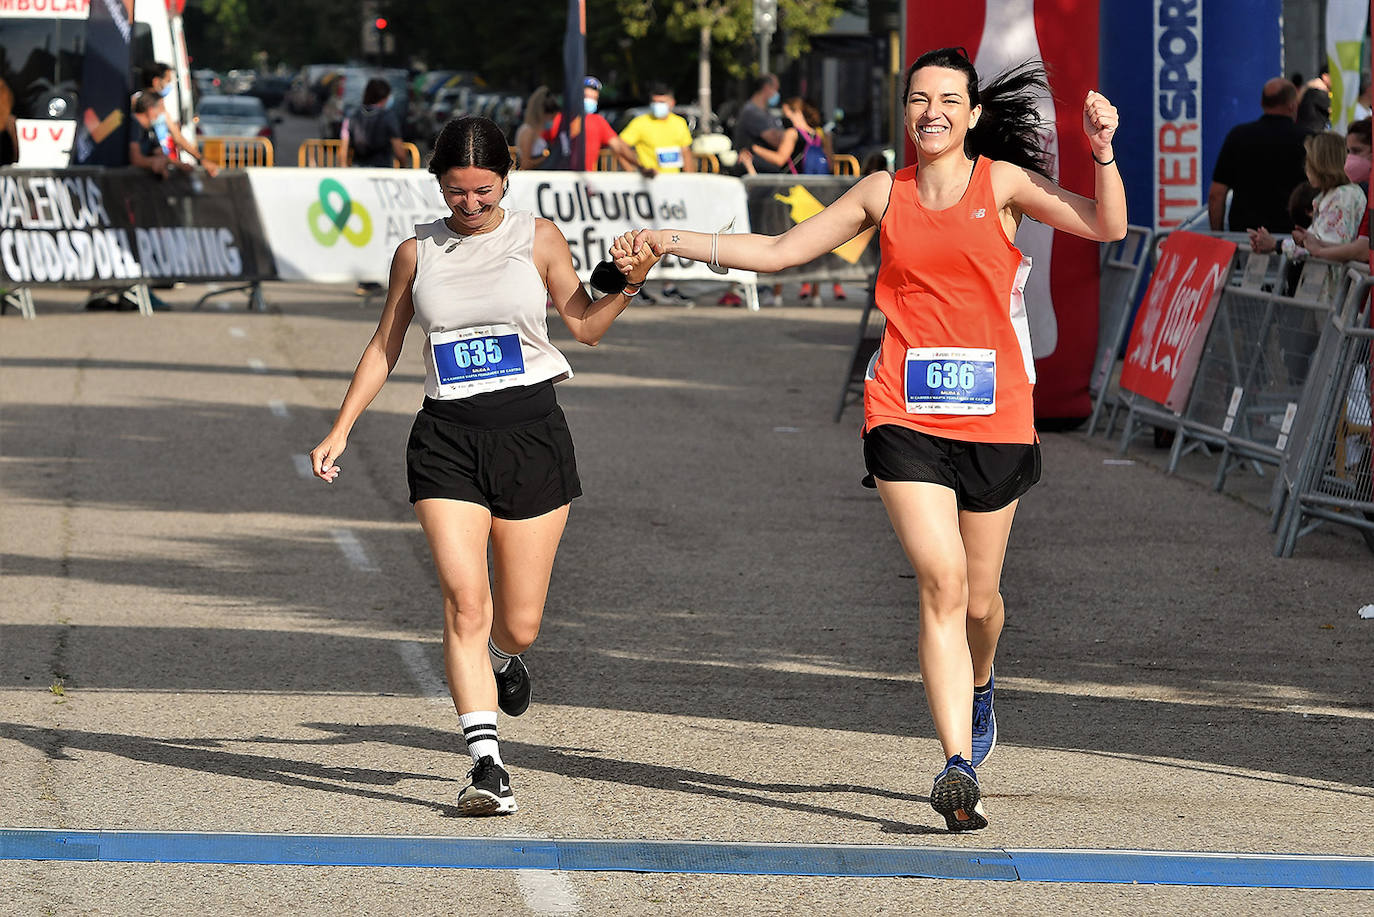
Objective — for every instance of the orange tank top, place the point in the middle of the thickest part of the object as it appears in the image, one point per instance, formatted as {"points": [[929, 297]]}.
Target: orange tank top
{"points": [[955, 359]]}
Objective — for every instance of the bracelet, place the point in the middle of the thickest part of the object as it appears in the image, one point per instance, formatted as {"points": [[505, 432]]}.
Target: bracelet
{"points": [[1101, 163], [629, 293], [715, 239]]}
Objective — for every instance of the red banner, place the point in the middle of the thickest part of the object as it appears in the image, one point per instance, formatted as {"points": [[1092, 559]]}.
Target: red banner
{"points": [[1171, 326], [1062, 290]]}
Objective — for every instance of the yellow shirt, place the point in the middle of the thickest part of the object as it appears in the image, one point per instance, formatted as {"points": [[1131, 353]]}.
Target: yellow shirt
{"points": [[658, 142]]}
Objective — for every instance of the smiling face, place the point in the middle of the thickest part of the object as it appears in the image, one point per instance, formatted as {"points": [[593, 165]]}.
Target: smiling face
{"points": [[473, 195], [938, 114]]}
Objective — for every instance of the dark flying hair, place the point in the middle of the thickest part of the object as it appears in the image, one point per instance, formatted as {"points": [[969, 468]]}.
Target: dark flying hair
{"points": [[1010, 127], [376, 90], [470, 141]]}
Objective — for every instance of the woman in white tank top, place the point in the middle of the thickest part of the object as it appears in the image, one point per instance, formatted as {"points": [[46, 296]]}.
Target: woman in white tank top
{"points": [[490, 459]]}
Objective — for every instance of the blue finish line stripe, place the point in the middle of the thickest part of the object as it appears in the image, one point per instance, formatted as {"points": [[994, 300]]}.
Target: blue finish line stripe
{"points": [[1243, 870]]}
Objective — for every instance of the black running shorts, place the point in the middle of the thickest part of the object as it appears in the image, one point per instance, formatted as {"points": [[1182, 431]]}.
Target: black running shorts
{"points": [[509, 451], [983, 476]]}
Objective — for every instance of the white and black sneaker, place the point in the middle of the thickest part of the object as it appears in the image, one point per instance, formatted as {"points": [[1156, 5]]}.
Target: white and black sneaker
{"points": [[513, 688], [489, 793]]}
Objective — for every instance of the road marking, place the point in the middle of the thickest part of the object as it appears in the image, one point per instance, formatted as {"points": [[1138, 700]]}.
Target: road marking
{"points": [[547, 891], [432, 687], [353, 550], [279, 408], [238, 333], [1148, 867], [303, 466], [257, 365]]}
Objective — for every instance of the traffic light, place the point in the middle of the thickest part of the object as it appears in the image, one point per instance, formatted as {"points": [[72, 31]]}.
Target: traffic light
{"points": [[380, 24], [765, 17]]}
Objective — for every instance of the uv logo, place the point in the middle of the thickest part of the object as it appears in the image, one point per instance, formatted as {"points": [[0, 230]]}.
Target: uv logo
{"points": [[338, 211]]}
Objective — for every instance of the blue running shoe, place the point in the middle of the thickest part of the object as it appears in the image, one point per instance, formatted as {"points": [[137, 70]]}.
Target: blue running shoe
{"points": [[956, 796], [984, 725]]}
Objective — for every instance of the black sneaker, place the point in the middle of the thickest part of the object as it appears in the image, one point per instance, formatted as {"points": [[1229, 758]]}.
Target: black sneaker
{"points": [[513, 688], [489, 793], [956, 796]]}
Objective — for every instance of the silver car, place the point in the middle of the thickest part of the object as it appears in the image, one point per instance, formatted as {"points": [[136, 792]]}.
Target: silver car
{"points": [[234, 116]]}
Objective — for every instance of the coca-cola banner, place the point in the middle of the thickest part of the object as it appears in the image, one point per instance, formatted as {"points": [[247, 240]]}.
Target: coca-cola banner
{"points": [[1172, 324]]}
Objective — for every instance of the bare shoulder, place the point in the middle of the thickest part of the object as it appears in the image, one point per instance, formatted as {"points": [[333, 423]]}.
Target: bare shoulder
{"points": [[547, 233], [406, 253]]}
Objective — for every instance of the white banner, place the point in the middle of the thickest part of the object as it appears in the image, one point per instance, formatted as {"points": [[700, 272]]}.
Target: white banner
{"points": [[343, 225], [1177, 112], [1347, 26]]}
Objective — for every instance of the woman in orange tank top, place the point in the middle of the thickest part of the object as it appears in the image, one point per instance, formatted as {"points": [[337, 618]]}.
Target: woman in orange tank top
{"points": [[949, 439]]}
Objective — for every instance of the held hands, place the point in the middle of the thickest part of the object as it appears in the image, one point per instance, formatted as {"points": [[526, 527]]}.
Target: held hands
{"points": [[634, 254], [1099, 123], [323, 456]]}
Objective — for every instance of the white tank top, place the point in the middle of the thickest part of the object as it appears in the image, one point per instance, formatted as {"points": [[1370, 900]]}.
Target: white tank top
{"points": [[481, 302]]}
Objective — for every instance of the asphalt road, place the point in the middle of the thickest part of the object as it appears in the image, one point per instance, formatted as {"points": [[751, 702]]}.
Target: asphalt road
{"points": [[195, 637]]}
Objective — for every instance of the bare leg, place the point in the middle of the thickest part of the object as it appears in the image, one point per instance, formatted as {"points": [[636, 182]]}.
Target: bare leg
{"points": [[926, 519], [522, 562], [985, 545], [457, 532]]}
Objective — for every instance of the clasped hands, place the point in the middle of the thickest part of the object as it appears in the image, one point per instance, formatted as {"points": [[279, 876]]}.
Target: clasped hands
{"points": [[634, 253]]}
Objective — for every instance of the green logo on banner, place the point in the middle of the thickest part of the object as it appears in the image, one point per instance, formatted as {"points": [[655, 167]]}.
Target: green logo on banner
{"points": [[338, 211]]}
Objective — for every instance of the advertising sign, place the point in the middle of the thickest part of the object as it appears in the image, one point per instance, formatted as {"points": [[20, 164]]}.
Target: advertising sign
{"points": [[335, 225], [94, 227], [1171, 327]]}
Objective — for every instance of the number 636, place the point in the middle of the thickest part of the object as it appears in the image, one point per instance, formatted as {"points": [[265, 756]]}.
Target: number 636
{"points": [[950, 375]]}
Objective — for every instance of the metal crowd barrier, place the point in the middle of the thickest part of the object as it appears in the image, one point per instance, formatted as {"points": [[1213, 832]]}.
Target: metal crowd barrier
{"points": [[1257, 361], [238, 152], [1326, 477], [1123, 264]]}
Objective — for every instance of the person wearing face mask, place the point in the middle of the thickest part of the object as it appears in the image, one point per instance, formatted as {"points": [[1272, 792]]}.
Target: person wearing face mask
{"points": [[757, 125], [158, 79], [1358, 149], [661, 140], [599, 132]]}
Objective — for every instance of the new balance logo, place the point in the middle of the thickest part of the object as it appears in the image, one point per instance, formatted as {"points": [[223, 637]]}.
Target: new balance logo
{"points": [[978, 214]]}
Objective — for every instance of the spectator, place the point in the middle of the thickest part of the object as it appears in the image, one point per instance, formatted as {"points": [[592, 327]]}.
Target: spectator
{"points": [[1338, 209], [9, 134], [1314, 105], [662, 141], [805, 149], [159, 78], [1359, 149], [599, 133], [757, 125], [373, 133], [1261, 162], [145, 150], [528, 136]]}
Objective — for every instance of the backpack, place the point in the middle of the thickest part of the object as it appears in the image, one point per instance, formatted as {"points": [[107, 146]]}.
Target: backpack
{"points": [[814, 161], [360, 133]]}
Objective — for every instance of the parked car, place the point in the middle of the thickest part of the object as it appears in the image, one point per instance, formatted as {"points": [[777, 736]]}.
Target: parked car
{"points": [[234, 116], [271, 89]]}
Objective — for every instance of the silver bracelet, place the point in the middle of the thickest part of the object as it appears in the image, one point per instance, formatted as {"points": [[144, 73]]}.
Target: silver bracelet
{"points": [[715, 241]]}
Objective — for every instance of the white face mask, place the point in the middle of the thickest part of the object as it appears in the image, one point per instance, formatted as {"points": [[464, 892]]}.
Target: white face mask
{"points": [[659, 109]]}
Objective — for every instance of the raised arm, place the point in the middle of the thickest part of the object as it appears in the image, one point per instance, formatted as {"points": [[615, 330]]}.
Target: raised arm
{"points": [[1101, 217], [858, 208], [783, 153], [378, 360]]}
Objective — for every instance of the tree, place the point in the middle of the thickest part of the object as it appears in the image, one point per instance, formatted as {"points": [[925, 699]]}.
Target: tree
{"points": [[723, 31]]}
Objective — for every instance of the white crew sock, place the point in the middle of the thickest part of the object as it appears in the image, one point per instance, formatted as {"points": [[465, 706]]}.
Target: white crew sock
{"points": [[479, 731], [499, 658]]}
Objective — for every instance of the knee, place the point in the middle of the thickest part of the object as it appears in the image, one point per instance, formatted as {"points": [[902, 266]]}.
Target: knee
{"points": [[944, 595], [467, 616], [519, 634], [982, 609]]}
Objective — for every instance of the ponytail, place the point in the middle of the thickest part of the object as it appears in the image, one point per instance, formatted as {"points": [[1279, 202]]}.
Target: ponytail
{"points": [[1010, 126]]}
